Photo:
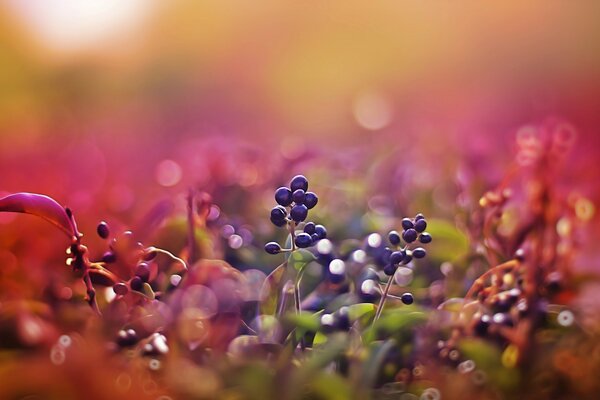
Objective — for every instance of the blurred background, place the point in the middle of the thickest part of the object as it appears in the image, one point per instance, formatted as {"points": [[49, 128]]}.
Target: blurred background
{"points": [[110, 106]]}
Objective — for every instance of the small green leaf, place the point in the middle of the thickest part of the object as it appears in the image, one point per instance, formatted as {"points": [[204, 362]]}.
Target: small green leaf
{"points": [[304, 321], [449, 243], [147, 291], [357, 311], [300, 258]]}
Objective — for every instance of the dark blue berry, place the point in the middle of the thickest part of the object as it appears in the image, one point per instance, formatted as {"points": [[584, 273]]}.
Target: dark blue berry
{"points": [[278, 213], [419, 252], [309, 228], [425, 238], [283, 196], [321, 231], [136, 283], [409, 235], [103, 230], [315, 238], [336, 278], [342, 319], [310, 200], [278, 222], [407, 298], [298, 196], [389, 269], [299, 182], [407, 257], [394, 238], [303, 240], [419, 216], [109, 257], [407, 224], [481, 325], [396, 257], [420, 225], [143, 271], [272, 248], [299, 212]]}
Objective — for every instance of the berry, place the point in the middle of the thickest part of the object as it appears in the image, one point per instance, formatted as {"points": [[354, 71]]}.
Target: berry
{"points": [[389, 269], [103, 230], [143, 271], [420, 225], [278, 213], [303, 240], [407, 298], [481, 325], [407, 257], [409, 235], [419, 216], [419, 252], [283, 196], [309, 228], [425, 238], [394, 238], [299, 212], [396, 257], [136, 283], [121, 289], [327, 323], [109, 257], [342, 320], [407, 223], [310, 200], [278, 222], [272, 248], [298, 196], [321, 231], [127, 337], [299, 182], [315, 238]]}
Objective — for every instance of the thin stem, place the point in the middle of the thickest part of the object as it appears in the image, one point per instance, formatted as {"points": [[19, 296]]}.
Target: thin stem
{"points": [[383, 298], [169, 254]]}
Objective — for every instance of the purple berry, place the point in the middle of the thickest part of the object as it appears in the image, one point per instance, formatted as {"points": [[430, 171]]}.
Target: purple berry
{"points": [[425, 238], [407, 223], [420, 225], [315, 238], [303, 240], [278, 213], [309, 228], [298, 196], [272, 248], [419, 216], [278, 222], [310, 200], [299, 212], [103, 230], [136, 283], [407, 298], [143, 271], [321, 231], [407, 257], [299, 182], [121, 289], [409, 235], [109, 257], [419, 252], [394, 238], [283, 196], [396, 257], [390, 269]]}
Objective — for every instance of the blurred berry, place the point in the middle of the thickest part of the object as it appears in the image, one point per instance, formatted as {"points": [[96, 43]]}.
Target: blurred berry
{"points": [[420, 225], [419, 252], [103, 230], [407, 298], [321, 231], [120, 289], [409, 235], [303, 240], [136, 283], [299, 212], [419, 216], [425, 238], [309, 228], [407, 223], [481, 325], [283, 196], [299, 182], [394, 238], [310, 200], [342, 319], [109, 257], [272, 248], [327, 323], [143, 271], [396, 257], [390, 269], [298, 196], [127, 337]]}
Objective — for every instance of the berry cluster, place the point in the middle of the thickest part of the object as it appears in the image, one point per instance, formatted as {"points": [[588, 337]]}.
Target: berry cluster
{"points": [[413, 230], [292, 208]]}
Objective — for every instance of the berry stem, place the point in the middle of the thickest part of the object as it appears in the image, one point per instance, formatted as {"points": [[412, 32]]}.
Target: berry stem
{"points": [[383, 298], [170, 255]]}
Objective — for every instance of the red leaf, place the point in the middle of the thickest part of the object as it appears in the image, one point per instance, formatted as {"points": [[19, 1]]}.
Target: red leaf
{"points": [[41, 206]]}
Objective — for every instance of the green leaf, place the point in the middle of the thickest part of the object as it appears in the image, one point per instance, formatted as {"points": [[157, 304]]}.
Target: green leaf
{"points": [[377, 353], [304, 321], [357, 311], [330, 387], [300, 258], [448, 244]]}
